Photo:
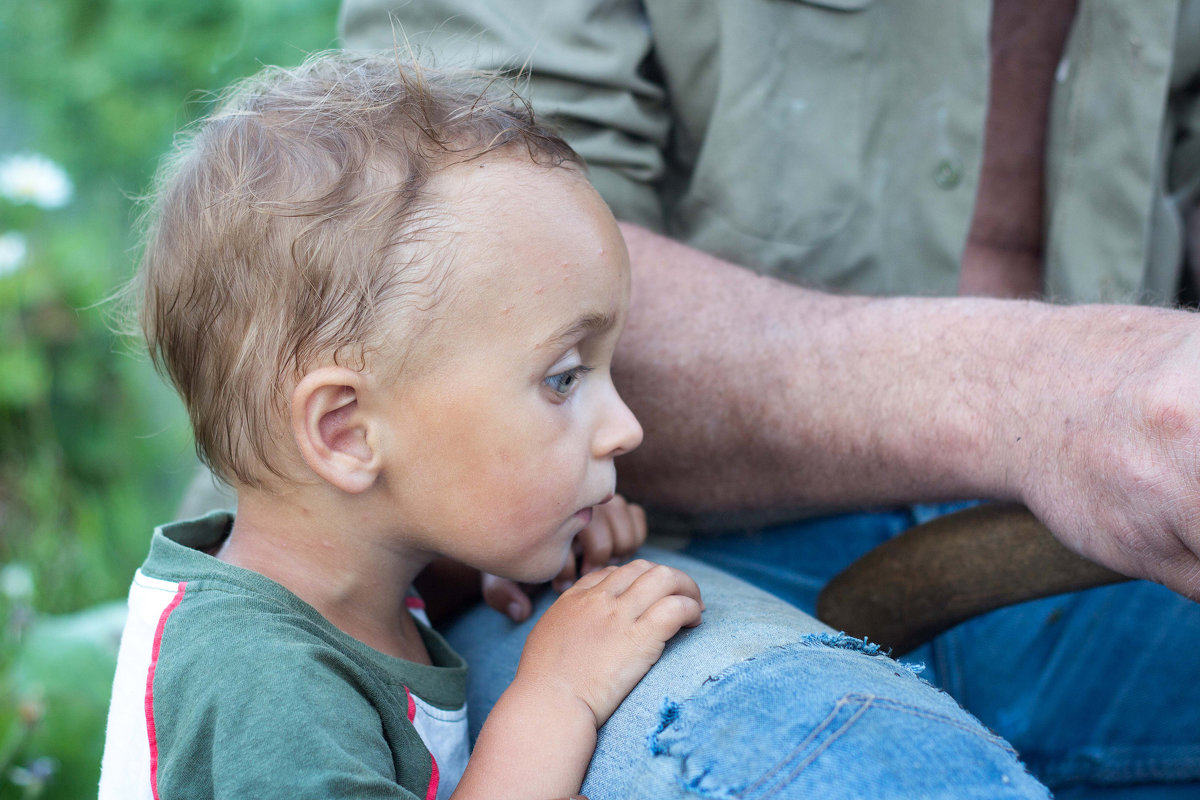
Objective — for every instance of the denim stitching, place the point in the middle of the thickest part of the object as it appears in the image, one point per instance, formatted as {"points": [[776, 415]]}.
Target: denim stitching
{"points": [[670, 713], [865, 703], [916, 711], [869, 648], [811, 757]]}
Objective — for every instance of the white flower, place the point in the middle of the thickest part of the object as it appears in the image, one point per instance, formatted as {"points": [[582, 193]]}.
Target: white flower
{"points": [[12, 252], [16, 582], [35, 179]]}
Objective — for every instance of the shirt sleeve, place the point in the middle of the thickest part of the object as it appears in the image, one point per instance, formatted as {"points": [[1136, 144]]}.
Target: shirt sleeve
{"points": [[586, 65]]}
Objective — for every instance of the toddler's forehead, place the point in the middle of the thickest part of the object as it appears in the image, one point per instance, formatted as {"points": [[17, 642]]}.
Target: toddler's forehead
{"points": [[502, 222], [501, 204], [499, 183]]}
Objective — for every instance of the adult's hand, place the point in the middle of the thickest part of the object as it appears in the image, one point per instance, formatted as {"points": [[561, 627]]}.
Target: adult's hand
{"points": [[1112, 439]]}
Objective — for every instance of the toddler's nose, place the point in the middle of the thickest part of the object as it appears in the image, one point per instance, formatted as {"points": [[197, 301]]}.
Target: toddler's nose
{"points": [[619, 431]]}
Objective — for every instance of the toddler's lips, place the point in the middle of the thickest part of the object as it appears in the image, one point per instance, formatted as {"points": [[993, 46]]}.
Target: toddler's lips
{"points": [[585, 514]]}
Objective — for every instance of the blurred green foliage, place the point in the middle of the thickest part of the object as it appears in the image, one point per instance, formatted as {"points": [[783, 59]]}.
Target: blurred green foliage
{"points": [[94, 449]]}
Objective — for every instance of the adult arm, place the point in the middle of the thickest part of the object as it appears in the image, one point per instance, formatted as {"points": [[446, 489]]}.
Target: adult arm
{"points": [[756, 394], [759, 394]]}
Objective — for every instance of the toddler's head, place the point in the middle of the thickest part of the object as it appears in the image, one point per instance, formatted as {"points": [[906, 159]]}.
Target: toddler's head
{"points": [[294, 226]]}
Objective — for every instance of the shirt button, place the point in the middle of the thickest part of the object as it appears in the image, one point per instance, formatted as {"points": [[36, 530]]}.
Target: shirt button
{"points": [[947, 174]]}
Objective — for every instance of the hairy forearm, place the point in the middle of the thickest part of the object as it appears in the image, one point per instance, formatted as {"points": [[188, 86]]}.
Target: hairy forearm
{"points": [[758, 394], [755, 394]]}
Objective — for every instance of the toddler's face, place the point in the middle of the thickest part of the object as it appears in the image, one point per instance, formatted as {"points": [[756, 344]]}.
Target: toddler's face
{"points": [[514, 417]]}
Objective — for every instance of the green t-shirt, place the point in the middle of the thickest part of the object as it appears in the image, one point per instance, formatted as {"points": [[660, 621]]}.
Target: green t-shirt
{"points": [[228, 685]]}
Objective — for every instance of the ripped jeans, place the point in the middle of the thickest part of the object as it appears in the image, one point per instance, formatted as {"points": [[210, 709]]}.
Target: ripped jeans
{"points": [[763, 701]]}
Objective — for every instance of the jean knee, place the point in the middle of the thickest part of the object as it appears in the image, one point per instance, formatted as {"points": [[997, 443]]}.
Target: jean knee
{"points": [[832, 717]]}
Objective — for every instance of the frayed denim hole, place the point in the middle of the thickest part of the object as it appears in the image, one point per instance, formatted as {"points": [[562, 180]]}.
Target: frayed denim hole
{"points": [[668, 713], [671, 739], [845, 641], [863, 645], [699, 774], [731, 740], [685, 731]]}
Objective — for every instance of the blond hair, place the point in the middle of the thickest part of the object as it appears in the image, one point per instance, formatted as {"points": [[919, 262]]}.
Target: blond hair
{"points": [[291, 220]]}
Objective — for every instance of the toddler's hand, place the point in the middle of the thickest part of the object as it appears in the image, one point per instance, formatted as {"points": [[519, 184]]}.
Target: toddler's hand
{"points": [[602, 635], [617, 530]]}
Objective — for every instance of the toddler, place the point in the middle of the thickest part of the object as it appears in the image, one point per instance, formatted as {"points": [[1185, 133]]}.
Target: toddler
{"points": [[390, 303]]}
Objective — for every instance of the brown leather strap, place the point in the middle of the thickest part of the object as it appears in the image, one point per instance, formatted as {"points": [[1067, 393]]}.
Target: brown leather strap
{"points": [[934, 576]]}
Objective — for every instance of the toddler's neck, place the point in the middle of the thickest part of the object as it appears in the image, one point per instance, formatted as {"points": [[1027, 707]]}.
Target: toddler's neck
{"points": [[332, 563]]}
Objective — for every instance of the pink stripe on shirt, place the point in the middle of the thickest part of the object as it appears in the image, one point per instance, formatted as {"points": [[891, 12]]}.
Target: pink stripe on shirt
{"points": [[431, 792], [158, 633]]}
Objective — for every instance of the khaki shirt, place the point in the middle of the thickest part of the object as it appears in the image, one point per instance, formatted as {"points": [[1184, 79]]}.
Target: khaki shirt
{"points": [[838, 143]]}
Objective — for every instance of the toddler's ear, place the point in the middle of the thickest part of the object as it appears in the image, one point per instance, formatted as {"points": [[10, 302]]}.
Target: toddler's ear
{"points": [[331, 429]]}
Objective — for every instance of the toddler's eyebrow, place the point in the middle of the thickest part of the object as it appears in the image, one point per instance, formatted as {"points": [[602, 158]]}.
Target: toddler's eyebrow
{"points": [[596, 322]]}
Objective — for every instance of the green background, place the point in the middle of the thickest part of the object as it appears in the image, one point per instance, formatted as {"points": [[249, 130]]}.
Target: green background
{"points": [[94, 449]]}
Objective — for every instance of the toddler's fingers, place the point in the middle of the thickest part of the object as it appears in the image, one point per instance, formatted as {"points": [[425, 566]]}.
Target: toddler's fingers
{"points": [[563, 580], [637, 528], [597, 540], [592, 578], [667, 615], [654, 584], [628, 524], [507, 597], [618, 579]]}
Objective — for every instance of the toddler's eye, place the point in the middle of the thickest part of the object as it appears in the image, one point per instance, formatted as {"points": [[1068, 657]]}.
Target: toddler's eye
{"points": [[564, 382]]}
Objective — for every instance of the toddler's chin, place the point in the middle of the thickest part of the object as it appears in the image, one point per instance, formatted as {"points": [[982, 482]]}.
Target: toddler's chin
{"points": [[545, 572]]}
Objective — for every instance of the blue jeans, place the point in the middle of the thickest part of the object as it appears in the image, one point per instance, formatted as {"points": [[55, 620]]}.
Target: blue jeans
{"points": [[762, 701], [1097, 690]]}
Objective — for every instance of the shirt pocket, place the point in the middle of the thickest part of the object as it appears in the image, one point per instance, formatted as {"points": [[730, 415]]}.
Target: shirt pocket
{"points": [[772, 174]]}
